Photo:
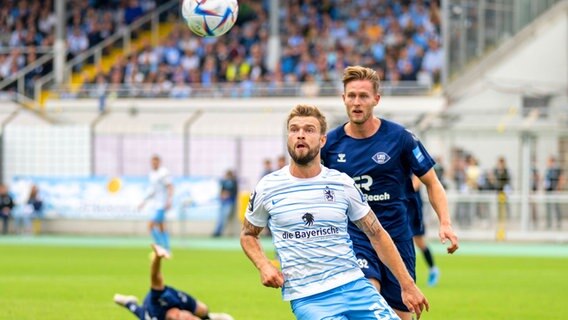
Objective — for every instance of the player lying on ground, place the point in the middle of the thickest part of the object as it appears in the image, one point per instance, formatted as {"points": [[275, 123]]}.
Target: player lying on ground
{"points": [[165, 302]]}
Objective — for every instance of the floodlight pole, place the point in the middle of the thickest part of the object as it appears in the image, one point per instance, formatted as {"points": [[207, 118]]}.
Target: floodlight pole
{"points": [[445, 42], [59, 47], [274, 37]]}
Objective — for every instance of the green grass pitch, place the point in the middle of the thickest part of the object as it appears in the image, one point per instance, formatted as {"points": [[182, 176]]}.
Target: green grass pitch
{"points": [[77, 281]]}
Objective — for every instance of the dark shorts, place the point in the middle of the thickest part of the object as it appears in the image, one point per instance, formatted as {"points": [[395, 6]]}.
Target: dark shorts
{"points": [[415, 215], [416, 221], [372, 267]]}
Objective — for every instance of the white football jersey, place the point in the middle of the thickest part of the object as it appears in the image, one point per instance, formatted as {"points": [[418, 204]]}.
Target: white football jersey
{"points": [[308, 221], [158, 191]]}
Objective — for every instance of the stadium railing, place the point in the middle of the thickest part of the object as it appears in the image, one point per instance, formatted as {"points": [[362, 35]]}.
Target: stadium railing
{"points": [[20, 76], [228, 90]]}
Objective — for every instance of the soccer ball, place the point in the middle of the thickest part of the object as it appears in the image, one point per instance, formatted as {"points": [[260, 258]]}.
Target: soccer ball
{"points": [[210, 18]]}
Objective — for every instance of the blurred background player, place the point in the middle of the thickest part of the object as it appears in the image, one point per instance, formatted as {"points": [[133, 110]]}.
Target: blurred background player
{"points": [[164, 302], [29, 219], [35, 204], [266, 167], [229, 192], [281, 161], [553, 182], [416, 220], [6, 206], [160, 194]]}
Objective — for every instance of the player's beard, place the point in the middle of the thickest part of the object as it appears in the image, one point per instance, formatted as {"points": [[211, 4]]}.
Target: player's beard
{"points": [[359, 118], [305, 158]]}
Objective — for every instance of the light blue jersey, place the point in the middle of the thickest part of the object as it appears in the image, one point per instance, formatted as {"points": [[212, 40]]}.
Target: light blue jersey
{"points": [[308, 220]]}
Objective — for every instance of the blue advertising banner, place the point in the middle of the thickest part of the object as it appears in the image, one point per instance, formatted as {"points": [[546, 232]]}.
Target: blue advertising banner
{"points": [[117, 198]]}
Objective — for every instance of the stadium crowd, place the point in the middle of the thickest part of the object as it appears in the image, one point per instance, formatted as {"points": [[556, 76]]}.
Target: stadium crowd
{"points": [[398, 38], [27, 29]]}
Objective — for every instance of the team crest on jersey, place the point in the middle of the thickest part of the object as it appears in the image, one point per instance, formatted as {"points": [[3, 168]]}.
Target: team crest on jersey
{"points": [[341, 157], [381, 157], [308, 219], [329, 194]]}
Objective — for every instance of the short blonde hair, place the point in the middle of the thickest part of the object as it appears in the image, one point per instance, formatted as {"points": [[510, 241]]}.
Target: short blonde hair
{"points": [[306, 110], [353, 73]]}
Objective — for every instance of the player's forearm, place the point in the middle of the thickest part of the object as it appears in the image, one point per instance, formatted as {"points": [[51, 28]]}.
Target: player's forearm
{"points": [[149, 194], [170, 193], [439, 201], [253, 249]]}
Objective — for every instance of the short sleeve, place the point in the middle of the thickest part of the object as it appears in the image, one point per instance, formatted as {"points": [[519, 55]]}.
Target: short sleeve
{"points": [[256, 212], [358, 206], [166, 177], [416, 154]]}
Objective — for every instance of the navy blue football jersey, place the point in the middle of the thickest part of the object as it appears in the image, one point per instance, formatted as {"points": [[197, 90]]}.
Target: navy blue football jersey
{"points": [[158, 302], [381, 166]]}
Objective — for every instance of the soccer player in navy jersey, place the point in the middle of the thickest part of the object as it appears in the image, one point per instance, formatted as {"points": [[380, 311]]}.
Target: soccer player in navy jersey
{"points": [[306, 206], [380, 155], [164, 302], [416, 220]]}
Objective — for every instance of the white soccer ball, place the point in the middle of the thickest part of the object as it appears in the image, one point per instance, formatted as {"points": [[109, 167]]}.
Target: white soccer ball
{"points": [[210, 18]]}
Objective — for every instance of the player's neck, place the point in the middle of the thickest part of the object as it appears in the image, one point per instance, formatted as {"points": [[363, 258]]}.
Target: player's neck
{"points": [[309, 170], [363, 130]]}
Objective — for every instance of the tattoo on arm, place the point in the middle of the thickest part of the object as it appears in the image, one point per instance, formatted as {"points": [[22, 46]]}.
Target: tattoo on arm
{"points": [[250, 229], [369, 224]]}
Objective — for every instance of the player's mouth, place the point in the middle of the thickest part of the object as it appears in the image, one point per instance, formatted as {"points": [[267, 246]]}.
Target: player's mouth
{"points": [[301, 146]]}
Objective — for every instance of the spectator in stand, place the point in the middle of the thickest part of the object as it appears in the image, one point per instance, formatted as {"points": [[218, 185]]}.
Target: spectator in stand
{"points": [[132, 12], [433, 60]]}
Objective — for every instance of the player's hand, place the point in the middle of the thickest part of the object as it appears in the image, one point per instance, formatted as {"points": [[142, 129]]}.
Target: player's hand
{"points": [[414, 300], [270, 276], [447, 233], [168, 206]]}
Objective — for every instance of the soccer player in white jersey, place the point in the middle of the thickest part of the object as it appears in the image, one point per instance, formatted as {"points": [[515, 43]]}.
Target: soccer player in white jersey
{"points": [[306, 205], [160, 194]]}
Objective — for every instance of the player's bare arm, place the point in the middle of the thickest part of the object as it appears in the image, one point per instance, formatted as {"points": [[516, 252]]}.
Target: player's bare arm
{"points": [[156, 278], [439, 201], [387, 252], [269, 275]]}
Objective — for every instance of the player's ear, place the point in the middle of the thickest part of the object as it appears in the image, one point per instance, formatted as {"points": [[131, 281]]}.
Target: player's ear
{"points": [[323, 139]]}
